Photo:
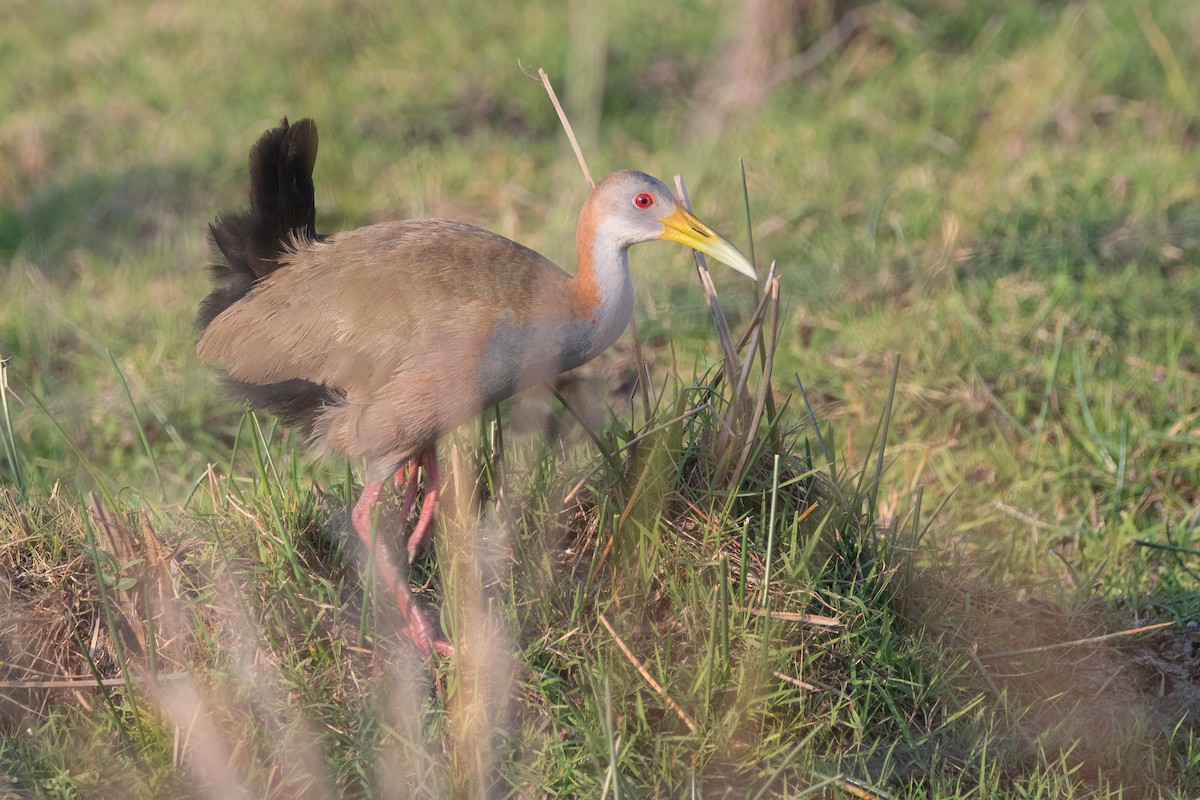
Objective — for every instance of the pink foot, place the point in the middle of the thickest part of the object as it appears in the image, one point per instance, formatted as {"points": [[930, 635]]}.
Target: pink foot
{"points": [[420, 630]]}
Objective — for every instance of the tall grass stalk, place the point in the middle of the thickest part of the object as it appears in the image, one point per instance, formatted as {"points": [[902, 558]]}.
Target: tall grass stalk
{"points": [[6, 430], [141, 429]]}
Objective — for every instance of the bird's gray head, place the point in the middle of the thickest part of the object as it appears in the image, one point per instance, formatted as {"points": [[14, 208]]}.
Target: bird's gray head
{"points": [[639, 208]]}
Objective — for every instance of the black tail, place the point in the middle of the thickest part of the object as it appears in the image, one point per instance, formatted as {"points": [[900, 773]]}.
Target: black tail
{"points": [[282, 209]]}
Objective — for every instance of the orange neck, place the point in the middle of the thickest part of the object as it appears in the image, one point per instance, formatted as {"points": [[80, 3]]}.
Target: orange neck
{"points": [[585, 291], [601, 295]]}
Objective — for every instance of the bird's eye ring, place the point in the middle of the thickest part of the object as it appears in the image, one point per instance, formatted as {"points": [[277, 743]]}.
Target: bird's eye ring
{"points": [[643, 200]]}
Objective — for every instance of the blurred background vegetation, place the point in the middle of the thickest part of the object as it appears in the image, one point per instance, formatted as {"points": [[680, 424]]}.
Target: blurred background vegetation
{"points": [[1004, 192]]}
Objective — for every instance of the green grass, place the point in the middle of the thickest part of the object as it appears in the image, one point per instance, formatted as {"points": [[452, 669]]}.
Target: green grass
{"points": [[1002, 193]]}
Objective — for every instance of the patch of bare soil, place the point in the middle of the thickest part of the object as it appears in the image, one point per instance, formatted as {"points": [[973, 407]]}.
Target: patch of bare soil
{"points": [[1088, 684]]}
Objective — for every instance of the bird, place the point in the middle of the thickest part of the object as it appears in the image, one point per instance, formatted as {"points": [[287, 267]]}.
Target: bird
{"points": [[376, 342]]}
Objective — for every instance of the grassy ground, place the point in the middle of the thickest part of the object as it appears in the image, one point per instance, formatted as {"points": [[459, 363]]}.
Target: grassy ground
{"points": [[1002, 193]]}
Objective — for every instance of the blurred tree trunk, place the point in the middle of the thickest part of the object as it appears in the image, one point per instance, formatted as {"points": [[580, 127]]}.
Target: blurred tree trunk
{"points": [[765, 37], [585, 70]]}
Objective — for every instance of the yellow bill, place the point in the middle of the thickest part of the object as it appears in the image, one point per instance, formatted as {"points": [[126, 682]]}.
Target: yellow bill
{"points": [[680, 226]]}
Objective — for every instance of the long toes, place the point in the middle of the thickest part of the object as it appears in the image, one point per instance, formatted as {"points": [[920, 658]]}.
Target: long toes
{"points": [[424, 635], [413, 547]]}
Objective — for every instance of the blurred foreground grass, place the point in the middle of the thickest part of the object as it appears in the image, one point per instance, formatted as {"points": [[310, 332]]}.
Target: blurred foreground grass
{"points": [[1004, 193]]}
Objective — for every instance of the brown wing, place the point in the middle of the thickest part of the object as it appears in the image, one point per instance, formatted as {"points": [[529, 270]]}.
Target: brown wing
{"points": [[394, 315]]}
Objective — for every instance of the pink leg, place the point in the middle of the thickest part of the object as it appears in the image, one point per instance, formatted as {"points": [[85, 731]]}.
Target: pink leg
{"points": [[408, 475], [420, 630], [402, 473], [433, 486]]}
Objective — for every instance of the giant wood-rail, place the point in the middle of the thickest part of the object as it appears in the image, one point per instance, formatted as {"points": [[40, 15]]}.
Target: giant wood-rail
{"points": [[375, 342]]}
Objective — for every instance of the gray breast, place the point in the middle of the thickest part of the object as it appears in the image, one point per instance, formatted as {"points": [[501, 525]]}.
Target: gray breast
{"points": [[518, 357]]}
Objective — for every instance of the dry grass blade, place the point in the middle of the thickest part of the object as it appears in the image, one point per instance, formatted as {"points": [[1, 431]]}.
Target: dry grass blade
{"points": [[85, 682], [771, 298], [1077, 642], [136, 567], [799, 684], [854, 790], [820, 620], [17, 512], [52, 630], [710, 291], [566, 123], [118, 550], [655, 685]]}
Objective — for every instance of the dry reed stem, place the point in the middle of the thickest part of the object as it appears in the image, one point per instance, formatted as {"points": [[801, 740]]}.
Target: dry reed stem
{"points": [[1077, 642], [816, 686], [710, 291], [819, 620], [856, 790], [566, 123], [86, 682], [739, 405], [750, 430], [683, 715], [808, 687]]}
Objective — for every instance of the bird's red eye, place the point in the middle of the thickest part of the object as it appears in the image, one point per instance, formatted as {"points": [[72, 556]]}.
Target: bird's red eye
{"points": [[644, 200]]}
